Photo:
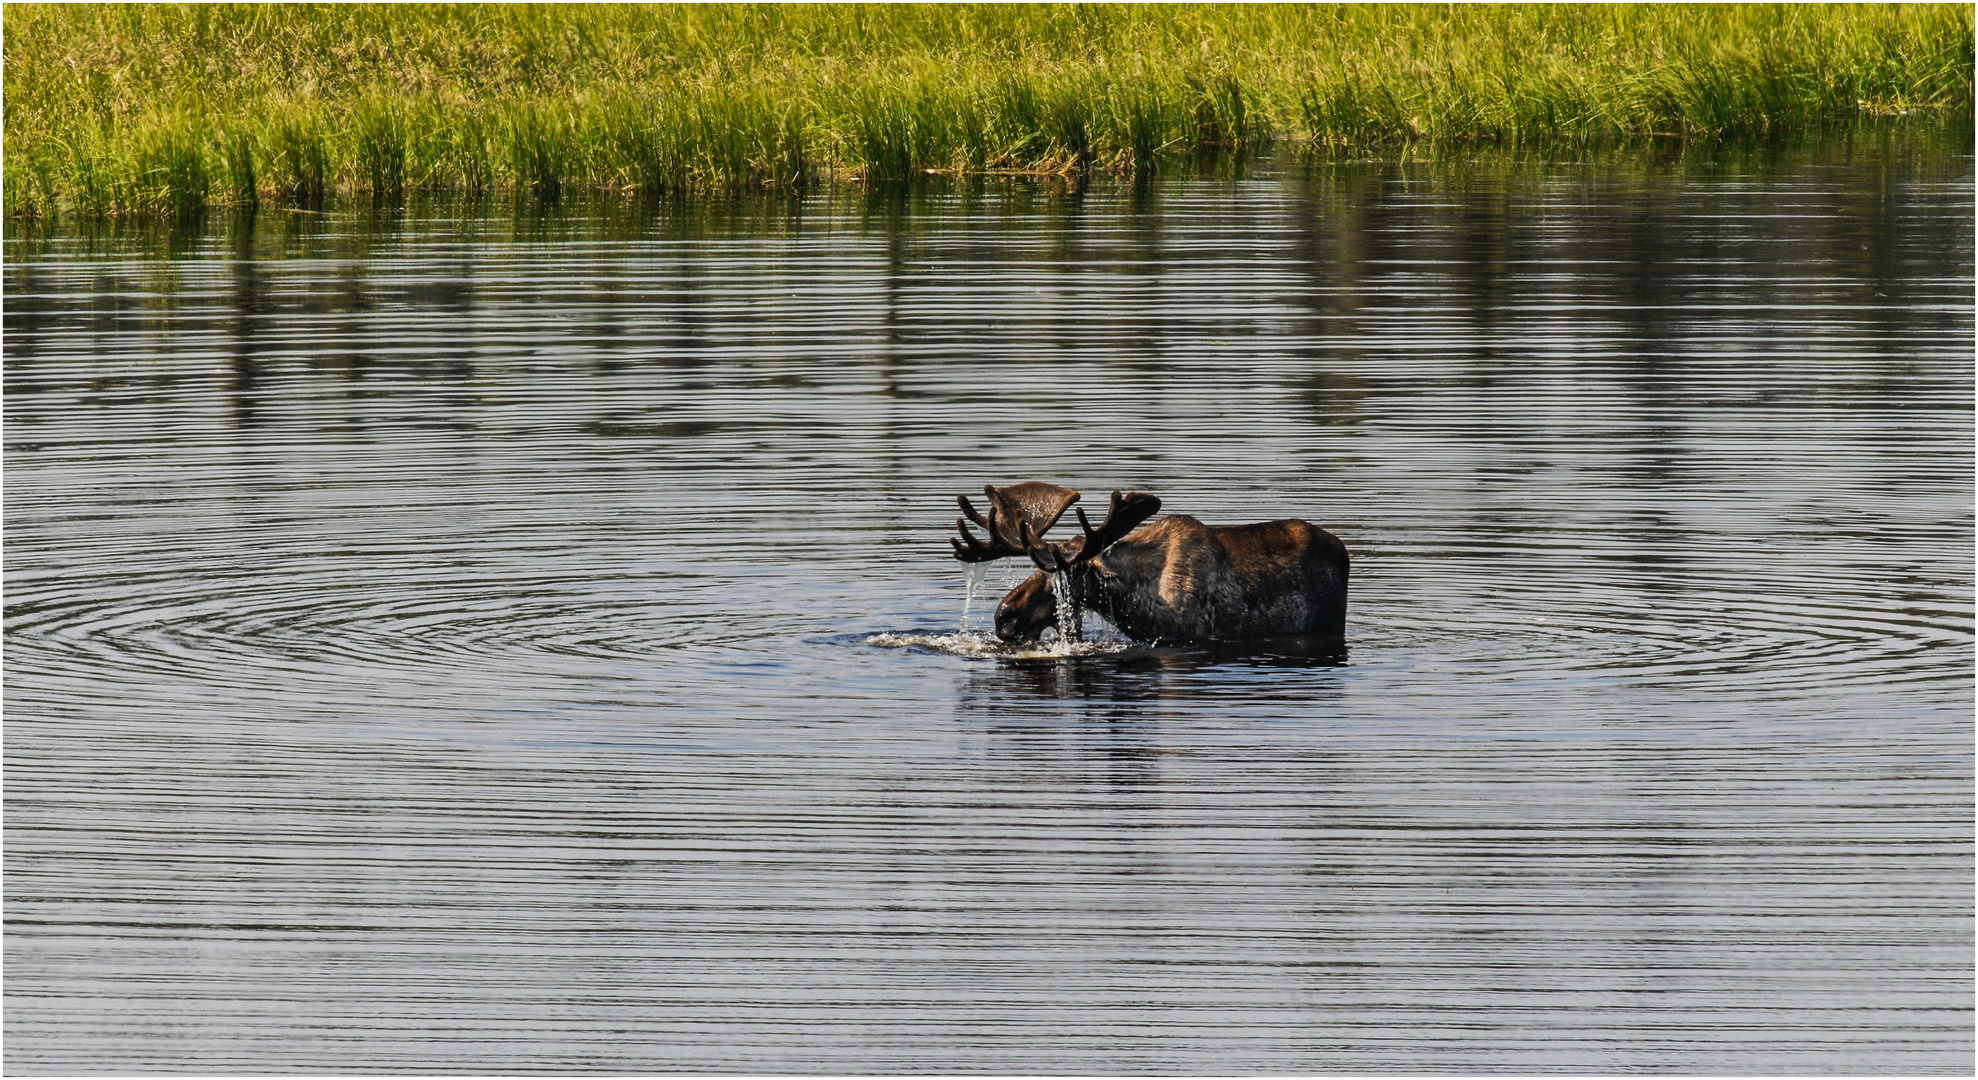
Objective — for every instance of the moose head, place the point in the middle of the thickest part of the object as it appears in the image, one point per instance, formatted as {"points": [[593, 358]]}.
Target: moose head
{"points": [[1019, 516]]}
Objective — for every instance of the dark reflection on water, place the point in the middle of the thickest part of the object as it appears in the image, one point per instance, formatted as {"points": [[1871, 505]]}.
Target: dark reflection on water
{"points": [[1152, 674], [447, 636]]}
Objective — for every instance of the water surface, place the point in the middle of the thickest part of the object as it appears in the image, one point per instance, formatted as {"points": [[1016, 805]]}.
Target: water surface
{"points": [[480, 639]]}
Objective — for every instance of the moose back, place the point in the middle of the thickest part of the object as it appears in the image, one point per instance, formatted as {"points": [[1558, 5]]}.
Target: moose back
{"points": [[1174, 580]]}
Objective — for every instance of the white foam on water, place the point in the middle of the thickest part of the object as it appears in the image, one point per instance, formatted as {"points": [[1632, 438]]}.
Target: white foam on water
{"points": [[962, 644], [980, 645]]}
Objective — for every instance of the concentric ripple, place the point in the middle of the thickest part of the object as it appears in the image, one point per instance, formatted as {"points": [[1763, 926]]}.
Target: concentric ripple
{"points": [[525, 642]]}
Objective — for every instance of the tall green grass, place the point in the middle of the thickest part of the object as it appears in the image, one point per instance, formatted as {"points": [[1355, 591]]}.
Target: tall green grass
{"points": [[137, 110]]}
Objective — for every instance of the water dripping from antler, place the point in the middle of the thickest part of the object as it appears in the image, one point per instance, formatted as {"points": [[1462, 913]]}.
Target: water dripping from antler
{"points": [[972, 577], [1071, 618]]}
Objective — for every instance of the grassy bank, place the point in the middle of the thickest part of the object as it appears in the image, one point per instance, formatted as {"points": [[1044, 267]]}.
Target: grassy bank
{"points": [[143, 110]]}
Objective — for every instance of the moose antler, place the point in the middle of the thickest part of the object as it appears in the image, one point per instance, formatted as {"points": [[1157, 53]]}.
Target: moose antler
{"points": [[968, 548], [1122, 517], [1031, 505]]}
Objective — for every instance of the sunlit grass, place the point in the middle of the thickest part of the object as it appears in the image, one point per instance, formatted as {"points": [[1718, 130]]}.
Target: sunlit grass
{"points": [[117, 110]]}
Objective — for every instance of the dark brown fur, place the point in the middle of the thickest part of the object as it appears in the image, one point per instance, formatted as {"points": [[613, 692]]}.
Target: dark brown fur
{"points": [[1180, 580]]}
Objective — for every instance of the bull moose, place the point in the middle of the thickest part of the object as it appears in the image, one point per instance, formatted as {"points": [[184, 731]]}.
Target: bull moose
{"points": [[1175, 580]]}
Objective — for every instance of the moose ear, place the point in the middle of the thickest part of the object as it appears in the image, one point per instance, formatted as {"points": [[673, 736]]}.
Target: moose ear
{"points": [[1032, 503]]}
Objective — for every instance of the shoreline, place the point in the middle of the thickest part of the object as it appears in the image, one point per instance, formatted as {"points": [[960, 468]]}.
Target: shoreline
{"points": [[128, 112], [1918, 143]]}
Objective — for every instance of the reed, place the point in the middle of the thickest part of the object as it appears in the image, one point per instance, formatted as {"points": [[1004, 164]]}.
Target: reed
{"points": [[136, 110]]}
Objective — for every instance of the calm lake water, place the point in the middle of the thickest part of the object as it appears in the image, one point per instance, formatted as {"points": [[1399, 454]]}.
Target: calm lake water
{"points": [[480, 640]]}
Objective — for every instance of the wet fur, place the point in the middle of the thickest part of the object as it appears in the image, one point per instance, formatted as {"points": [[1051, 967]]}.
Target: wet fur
{"points": [[1181, 580]]}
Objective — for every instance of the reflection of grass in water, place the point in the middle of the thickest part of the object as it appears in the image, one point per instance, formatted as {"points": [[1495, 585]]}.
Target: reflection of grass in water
{"points": [[114, 110]]}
